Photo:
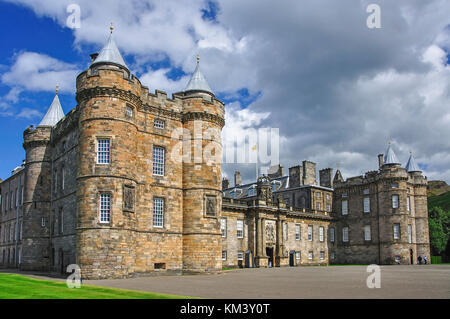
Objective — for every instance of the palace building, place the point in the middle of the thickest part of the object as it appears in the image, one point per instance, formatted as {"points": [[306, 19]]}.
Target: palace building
{"points": [[118, 187]]}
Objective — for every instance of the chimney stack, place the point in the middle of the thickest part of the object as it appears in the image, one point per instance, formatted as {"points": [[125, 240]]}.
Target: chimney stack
{"points": [[237, 178], [380, 160], [225, 183], [93, 57]]}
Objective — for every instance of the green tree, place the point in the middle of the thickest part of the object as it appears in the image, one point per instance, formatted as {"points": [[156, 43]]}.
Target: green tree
{"points": [[439, 224]]}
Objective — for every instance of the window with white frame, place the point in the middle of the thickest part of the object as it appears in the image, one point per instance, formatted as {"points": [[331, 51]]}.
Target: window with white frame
{"points": [[367, 234], [103, 151], [297, 232], [344, 207], [63, 177], [129, 111], [332, 255], [224, 255], [322, 255], [394, 185], [61, 221], [366, 191], [240, 228], [345, 234], [310, 255], [297, 255], [158, 161], [409, 234], [233, 194], [408, 202], [317, 194], [285, 231], [366, 204], [251, 191], [328, 196], [159, 123], [394, 201], [310, 233], [396, 231], [332, 234], [43, 222], [223, 227], [328, 208], [344, 195], [240, 255], [158, 212], [105, 207], [56, 181], [318, 206], [321, 233]]}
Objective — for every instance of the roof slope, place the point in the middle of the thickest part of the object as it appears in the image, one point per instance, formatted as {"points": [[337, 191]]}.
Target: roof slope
{"points": [[54, 113]]}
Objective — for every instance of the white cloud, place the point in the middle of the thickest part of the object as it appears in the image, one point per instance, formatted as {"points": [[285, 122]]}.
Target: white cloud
{"points": [[28, 113], [336, 89], [39, 72]]}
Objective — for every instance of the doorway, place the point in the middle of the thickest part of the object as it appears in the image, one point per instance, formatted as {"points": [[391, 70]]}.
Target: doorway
{"points": [[292, 258], [61, 261], [269, 253], [411, 257]]}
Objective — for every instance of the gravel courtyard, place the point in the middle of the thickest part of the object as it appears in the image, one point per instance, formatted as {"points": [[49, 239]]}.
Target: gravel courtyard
{"points": [[419, 281]]}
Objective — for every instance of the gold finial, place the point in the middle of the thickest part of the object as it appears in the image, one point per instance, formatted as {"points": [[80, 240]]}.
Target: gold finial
{"points": [[57, 88], [389, 141], [198, 58], [111, 27]]}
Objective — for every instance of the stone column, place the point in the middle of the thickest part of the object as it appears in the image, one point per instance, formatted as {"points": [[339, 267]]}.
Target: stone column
{"points": [[279, 249], [259, 234]]}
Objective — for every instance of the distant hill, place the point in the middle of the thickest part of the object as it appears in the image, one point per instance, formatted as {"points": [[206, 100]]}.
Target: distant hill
{"points": [[442, 201], [436, 188]]}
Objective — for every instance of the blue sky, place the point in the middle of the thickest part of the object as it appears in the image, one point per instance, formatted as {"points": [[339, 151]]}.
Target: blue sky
{"points": [[336, 90]]}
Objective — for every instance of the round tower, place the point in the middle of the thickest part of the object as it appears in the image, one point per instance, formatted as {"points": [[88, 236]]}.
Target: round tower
{"points": [[108, 98], [203, 120], [38, 190]]}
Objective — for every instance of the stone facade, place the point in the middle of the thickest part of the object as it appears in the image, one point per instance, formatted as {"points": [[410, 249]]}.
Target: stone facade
{"points": [[285, 221], [116, 212], [386, 215]]}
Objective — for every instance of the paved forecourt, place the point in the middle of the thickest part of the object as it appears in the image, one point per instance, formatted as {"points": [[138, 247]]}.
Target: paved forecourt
{"points": [[419, 281]]}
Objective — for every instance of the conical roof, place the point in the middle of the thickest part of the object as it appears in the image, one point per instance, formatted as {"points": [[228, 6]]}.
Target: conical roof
{"points": [[390, 157], [110, 53], [198, 81], [411, 166], [54, 114]]}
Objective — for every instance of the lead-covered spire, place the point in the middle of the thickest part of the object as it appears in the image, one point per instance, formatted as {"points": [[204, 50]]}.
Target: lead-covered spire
{"points": [[198, 81], [110, 53], [390, 157], [54, 113], [411, 166]]}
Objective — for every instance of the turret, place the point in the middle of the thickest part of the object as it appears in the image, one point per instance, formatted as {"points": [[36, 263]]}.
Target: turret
{"points": [[107, 176], [203, 120], [37, 190]]}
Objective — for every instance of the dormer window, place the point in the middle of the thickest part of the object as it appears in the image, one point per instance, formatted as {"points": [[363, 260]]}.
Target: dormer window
{"points": [[233, 194], [251, 191], [275, 185]]}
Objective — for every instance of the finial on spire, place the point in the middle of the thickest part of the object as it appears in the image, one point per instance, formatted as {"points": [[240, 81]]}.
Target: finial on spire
{"points": [[389, 141], [57, 88], [198, 58], [111, 27]]}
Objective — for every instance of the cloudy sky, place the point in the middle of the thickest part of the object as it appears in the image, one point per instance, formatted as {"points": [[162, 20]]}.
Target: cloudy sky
{"points": [[336, 89]]}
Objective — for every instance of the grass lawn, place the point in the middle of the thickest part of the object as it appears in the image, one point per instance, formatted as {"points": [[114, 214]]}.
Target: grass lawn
{"points": [[13, 286]]}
